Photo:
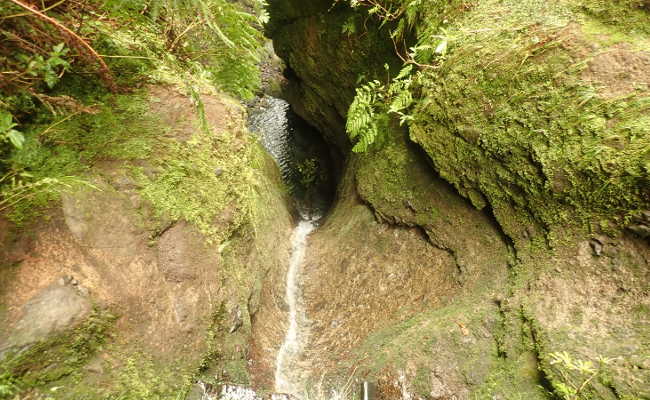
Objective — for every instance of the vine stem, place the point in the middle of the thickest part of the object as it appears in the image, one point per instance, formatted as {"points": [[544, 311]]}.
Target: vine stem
{"points": [[584, 384], [105, 72]]}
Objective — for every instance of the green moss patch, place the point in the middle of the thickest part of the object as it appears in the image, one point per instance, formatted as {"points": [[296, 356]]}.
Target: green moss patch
{"points": [[58, 154], [511, 121], [204, 181], [61, 356], [629, 15]]}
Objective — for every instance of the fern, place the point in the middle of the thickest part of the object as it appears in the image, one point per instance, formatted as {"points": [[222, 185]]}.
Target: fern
{"points": [[362, 115], [223, 37], [218, 34], [374, 104]]}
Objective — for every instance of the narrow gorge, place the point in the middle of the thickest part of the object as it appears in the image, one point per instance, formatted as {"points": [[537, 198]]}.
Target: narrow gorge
{"points": [[289, 200]]}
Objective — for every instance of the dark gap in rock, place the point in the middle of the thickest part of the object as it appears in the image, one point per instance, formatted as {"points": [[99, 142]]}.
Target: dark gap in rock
{"points": [[290, 74], [544, 380], [489, 211], [304, 158]]}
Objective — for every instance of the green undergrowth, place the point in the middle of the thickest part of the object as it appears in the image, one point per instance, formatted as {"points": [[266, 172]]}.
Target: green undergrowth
{"points": [[628, 15], [218, 39], [221, 361], [61, 356], [205, 181], [137, 377], [65, 151], [129, 372], [142, 376], [68, 117], [451, 334], [502, 107]]}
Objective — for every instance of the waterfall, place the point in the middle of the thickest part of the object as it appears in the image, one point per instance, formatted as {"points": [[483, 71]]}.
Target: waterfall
{"points": [[287, 371], [294, 145]]}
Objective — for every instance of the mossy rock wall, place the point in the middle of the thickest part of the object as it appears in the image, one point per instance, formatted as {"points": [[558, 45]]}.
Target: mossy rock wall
{"points": [[536, 111], [325, 62], [536, 114], [540, 113], [172, 249]]}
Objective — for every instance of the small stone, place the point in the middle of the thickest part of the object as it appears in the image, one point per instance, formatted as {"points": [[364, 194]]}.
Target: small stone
{"points": [[74, 282], [558, 270], [218, 172], [62, 281], [237, 321], [596, 246], [52, 310], [95, 367], [84, 290]]}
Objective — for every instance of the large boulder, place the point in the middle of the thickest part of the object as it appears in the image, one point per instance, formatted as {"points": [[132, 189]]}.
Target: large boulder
{"points": [[168, 289]]}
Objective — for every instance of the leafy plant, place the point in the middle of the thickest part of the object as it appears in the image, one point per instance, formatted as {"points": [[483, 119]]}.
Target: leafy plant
{"points": [[140, 380], [55, 156], [20, 188], [586, 371], [219, 34], [308, 170], [373, 104], [58, 356], [349, 27], [7, 131], [49, 69], [8, 385]]}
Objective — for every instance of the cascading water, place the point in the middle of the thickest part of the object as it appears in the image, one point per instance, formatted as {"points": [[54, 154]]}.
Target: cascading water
{"points": [[304, 162], [302, 155], [288, 375]]}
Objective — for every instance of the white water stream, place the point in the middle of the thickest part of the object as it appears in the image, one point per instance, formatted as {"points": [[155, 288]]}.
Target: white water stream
{"points": [[291, 142], [287, 371]]}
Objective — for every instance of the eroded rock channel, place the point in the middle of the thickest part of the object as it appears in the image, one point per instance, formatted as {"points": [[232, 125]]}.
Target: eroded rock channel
{"points": [[307, 170], [487, 241], [455, 264]]}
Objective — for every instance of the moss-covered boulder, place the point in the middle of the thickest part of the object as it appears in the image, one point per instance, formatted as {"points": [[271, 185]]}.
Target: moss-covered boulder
{"points": [[539, 111], [170, 249]]}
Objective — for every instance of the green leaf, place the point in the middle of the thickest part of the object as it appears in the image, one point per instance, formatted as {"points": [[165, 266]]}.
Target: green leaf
{"points": [[6, 121], [51, 79], [59, 47], [16, 138], [406, 71]]}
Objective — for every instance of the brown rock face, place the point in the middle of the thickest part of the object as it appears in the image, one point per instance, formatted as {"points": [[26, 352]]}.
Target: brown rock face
{"points": [[170, 288], [53, 310]]}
